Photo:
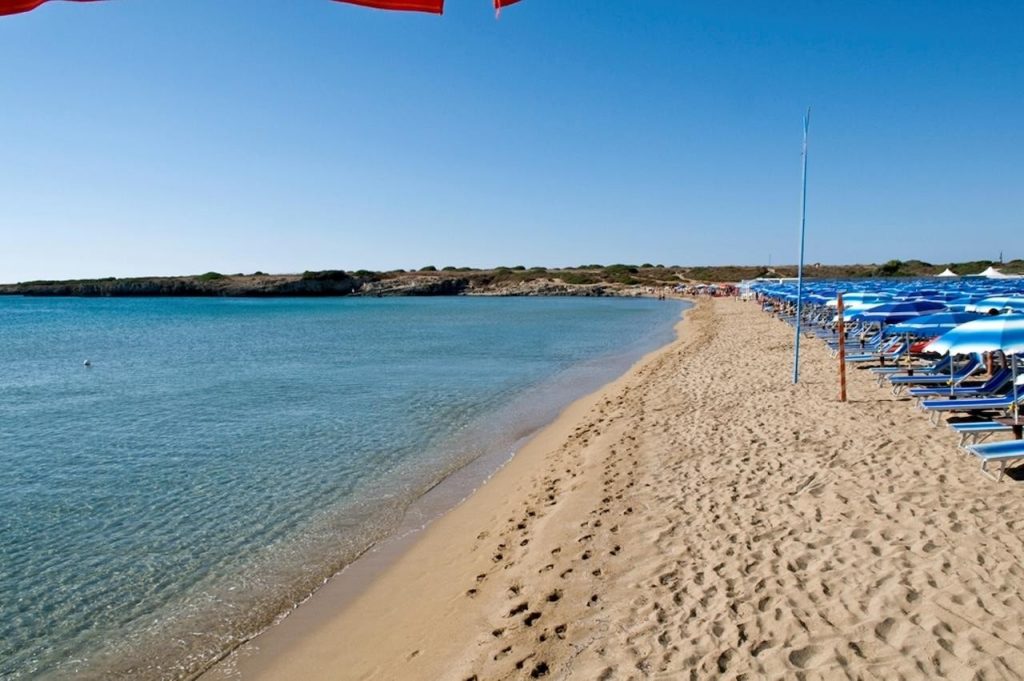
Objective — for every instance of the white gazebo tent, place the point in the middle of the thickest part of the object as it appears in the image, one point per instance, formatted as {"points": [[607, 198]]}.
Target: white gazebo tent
{"points": [[947, 273], [993, 273]]}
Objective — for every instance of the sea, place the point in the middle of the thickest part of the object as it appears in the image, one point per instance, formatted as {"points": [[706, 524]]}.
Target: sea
{"points": [[219, 458]]}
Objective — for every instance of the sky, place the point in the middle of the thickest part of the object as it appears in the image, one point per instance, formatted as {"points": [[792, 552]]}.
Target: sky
{"points": [[161, 137]]}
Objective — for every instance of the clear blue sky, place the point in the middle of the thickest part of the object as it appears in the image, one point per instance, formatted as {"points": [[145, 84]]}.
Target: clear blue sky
{"points": [[180, 136]]}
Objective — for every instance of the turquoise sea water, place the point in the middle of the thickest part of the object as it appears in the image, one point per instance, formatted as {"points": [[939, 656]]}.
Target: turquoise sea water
{"points": [[221, 457]]}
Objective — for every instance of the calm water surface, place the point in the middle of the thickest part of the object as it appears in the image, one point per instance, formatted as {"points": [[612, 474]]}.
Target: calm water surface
{"points": [[222, 457]]}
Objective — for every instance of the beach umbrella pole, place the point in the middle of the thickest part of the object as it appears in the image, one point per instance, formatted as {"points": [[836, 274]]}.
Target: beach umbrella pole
{"points": [[951, 374], [842, 350], [910, 367], [1016, 407], [800, 266]]}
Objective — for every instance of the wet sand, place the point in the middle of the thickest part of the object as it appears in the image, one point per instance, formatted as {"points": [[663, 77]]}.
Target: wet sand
{"points": [[700, 517]]}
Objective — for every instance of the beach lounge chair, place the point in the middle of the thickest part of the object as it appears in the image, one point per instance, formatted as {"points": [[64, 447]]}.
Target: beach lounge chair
{"points": [[973, 432], [899, 381], [1004, 453], [891, 350], [991, 387], [936, 407], [936, 368], [854, 345]]}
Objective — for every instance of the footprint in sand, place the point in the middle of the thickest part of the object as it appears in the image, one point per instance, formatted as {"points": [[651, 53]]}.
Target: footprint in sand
{"points": [[803, 657]]}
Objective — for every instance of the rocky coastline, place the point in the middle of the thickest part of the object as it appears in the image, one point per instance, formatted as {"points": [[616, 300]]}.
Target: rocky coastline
{"points": [[372, 285], [585, 280]]}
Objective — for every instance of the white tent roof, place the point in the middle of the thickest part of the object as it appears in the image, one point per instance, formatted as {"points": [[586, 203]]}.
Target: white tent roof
{"points": [[948, 273], [993, 273]]}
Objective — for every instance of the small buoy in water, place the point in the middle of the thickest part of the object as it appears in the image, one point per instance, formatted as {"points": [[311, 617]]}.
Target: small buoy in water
{"points": [[87, 363]]}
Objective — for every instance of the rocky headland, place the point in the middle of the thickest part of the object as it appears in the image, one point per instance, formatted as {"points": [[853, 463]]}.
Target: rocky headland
{"points": [[502, 282], [585, 280]]}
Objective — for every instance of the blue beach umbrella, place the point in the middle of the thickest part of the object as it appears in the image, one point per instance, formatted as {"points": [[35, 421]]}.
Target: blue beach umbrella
{"points": [[1015, 303], [939, 322], [891, 313], [894, 312], [859, 299], [852, 309], [1002, 332]]}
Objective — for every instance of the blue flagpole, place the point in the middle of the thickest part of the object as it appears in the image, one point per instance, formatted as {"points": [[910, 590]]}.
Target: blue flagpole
{"points": [[800, 267]]}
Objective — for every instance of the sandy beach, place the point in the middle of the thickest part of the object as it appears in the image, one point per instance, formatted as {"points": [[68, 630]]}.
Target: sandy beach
{"points": [[700, 517]]}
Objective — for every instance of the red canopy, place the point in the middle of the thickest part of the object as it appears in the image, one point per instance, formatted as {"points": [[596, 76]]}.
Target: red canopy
{"points": [[432, 6], [16, 6]]}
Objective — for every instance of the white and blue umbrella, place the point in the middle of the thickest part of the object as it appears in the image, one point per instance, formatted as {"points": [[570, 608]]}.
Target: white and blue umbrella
{"points": [[939, 322], [1015, 303], [891, 313], [988, 334], [853, 308], [859, 298], [1001, 332], [964, 303]]}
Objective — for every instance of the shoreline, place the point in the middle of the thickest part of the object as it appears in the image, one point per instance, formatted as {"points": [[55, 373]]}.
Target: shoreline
{"points": [[342, 589], [699, 517]]}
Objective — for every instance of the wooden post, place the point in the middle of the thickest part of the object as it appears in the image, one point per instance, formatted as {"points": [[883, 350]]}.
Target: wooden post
{"points": [[910, 367], [842, 350]]}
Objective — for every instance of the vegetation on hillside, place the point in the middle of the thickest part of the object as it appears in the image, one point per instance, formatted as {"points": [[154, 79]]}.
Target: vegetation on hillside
{"points": [[430, 278], [326, 275]]}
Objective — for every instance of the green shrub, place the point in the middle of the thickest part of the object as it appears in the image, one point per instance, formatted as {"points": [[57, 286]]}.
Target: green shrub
{"points": [[577, 278], [428, 268], [325, 275], [889, 269], [210, 276]]}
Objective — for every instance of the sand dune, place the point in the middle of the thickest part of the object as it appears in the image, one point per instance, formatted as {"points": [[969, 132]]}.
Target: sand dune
{"points": [[700, 518]]}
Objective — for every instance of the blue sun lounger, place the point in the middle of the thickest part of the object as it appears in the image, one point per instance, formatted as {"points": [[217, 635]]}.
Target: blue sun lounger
{"points": [[891, 353], [854, 347], [934, 369], [899, 382], [973, 432], [854, 344], [993, 385], [935, 407], [1003, 453]]}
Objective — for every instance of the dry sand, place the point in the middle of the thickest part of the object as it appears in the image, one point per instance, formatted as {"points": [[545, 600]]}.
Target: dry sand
{"points": [[698, 518]]}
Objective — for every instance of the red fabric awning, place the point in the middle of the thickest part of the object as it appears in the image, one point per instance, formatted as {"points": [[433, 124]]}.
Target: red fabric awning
{"points": [[16, 6], [432, 6]]}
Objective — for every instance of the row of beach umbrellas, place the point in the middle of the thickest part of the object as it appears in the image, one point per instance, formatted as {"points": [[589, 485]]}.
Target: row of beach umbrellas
{"points": [[1002, 333], [961, 317]]}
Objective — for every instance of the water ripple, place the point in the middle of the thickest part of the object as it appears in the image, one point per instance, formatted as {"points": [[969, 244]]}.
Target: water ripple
{"points": [[221, 458]]}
